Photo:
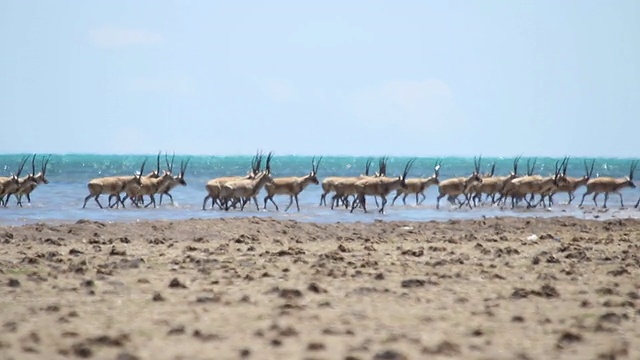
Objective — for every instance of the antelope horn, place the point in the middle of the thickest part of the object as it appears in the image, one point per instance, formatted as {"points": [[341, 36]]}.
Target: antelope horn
{"points": [[183, 168], [268, 165], [158, 162], [33, 164], [166, 160], [142, 168], [593, 162], [315, 170], [44, 164], [22, 166], [407, 167], [367, 166]]}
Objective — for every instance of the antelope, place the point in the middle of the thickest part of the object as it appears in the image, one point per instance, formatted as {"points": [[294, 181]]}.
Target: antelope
{"points": [[8, 185], [154, 174], [573, 183], [379, 186], [474, 194], [536, 184], [418, 186], [112, 185], [174, 181], [32, 180], [459, 186], [291, 186], [345, 187], [332, 183], [608, 185], [246, 189], [214, 186], [148, 186], [492, 185]]}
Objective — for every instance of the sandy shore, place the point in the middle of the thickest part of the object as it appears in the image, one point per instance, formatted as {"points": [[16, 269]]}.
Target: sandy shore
{"points": [[266, 289]]}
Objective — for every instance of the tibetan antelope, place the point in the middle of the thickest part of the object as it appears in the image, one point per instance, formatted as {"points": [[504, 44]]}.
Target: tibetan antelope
{"points": [[536, 184], [174, 181], [608, 185], [418, 186], [573, 183], [214, 186], [379, 186], [345, 187], [246, 190], [329, 184], [32, 180], [291, 186], [8, 185], [492, 185], [147, 186], [137, 200], [112, 185], [454, 187]]}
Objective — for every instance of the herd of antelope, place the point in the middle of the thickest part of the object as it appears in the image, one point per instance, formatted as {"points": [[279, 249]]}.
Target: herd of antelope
{"points": [[350, 192]]}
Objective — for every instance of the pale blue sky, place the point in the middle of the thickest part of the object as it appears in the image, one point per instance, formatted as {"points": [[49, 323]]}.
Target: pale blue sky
{"points": [[331, 77]]}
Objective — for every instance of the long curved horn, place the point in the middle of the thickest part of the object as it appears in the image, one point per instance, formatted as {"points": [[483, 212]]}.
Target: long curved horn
{"points": [[183, 167], [44, 164], [367, 166], [268, 164], [158, 163], [24, 161], [632, 169], [407, 167], [33, 165]]}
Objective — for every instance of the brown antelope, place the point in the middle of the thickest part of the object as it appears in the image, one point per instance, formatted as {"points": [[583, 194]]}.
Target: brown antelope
{"points": [[418, 186], [214, 186], [454, 187], [608, 185], [536, 184], [291, 186], [154, 174], [32, 180], [474, 194], [174, 181], [246, 190], [492, 185], [147, 186], [8, 185], [329, 183], [379, 186], [573, 183], [112, 185]]}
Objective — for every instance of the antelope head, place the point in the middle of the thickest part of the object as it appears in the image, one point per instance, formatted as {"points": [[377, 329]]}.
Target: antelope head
{"points": [[256, 163], [629, 179], [137, 178], [559, 177], [403, 178], [382, 167], [435, 179], [475, 177], [514, 173], [180, 177], [312, 177], [40, 177]]}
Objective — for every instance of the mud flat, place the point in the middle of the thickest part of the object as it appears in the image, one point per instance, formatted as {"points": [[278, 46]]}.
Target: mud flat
{"points": [[258, 288]]}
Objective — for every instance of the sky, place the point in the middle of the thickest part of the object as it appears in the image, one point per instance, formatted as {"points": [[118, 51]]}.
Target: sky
{"points": [[409, 77]]}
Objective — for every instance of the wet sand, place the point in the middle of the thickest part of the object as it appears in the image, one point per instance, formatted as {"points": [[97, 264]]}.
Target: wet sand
{"points": [[260, 288]]}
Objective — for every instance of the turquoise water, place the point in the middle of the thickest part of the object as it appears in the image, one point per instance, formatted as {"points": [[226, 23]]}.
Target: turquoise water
{"points": [[61, 200]]}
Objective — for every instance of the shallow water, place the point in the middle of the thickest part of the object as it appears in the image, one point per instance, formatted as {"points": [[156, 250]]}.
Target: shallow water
{"points": [[61, 200]]}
